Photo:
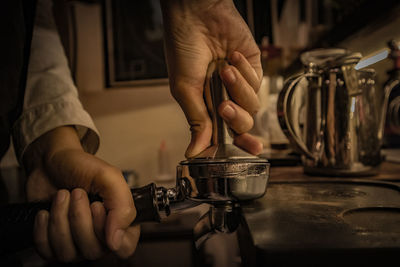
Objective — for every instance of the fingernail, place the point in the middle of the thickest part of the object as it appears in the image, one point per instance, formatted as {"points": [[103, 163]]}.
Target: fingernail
{"points": [[95, 208], [117, 239], [41, 218], [228, 112], [228, 75], [61, 195], [76, 195]]}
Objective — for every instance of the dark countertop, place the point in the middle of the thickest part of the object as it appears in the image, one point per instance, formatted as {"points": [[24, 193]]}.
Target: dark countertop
{"points": [[302, 220], [310, 220]]}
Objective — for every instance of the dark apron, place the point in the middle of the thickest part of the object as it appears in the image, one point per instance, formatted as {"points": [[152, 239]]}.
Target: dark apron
{"points": [[16, 26]]}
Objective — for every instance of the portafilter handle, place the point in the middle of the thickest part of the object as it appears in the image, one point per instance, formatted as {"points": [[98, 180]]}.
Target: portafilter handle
{"points": [[214, 94], [17, 220]]}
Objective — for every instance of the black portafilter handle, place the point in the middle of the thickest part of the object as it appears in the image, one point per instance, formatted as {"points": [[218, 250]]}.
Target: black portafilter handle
{"points": [[17, 220]]}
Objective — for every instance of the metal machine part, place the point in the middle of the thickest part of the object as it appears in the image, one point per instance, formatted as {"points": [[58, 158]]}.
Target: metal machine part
{"points": [[219, 219]]}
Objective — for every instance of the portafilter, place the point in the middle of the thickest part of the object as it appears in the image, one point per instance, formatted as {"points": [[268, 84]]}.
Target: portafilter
{"points": [[223, 175]]}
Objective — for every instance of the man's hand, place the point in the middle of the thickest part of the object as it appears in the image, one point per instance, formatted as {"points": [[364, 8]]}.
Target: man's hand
{"points": [[74, 228], [197, 32]]}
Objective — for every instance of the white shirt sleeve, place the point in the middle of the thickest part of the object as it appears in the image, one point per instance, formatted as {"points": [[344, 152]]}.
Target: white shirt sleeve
{"points": [[51, 98]]}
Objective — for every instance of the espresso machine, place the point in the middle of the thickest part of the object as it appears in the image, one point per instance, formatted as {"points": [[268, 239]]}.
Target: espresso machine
{"points": [[223, 176]]}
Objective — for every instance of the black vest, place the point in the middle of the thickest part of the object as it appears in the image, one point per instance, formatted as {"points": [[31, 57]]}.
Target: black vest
{"points": [[16, 26]]}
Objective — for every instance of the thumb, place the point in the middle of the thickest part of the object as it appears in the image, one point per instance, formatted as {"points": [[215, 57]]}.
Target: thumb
{"points": [[200, 140], [120, 208], [190, 98]]}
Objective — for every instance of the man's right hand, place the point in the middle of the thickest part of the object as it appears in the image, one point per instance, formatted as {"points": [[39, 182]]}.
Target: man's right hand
{"points": [[73, 229], [196, 33]]}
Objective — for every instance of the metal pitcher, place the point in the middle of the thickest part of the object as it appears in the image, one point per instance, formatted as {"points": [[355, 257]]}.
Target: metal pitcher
{"points": [[332, 115]]}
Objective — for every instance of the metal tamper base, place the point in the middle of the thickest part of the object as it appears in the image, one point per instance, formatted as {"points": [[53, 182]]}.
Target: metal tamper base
{"points": [[223, 172]]}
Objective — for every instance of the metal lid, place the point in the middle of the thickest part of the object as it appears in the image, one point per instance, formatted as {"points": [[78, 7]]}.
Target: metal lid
{"points": [[330, 57]]}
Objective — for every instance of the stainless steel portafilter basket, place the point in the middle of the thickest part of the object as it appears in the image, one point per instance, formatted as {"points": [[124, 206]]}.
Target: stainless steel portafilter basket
{"points": [[223, 172]]}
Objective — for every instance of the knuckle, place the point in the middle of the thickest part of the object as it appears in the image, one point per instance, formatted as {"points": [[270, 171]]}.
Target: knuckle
{"points": [[128, 248], [198, 126], [254, 108], [104, 173], [182, 88], [109, 170], [244, 127], [129, 213], [257, 85]]}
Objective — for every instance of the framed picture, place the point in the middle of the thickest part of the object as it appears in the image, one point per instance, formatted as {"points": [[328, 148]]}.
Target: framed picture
{"points": [[134, 43]]}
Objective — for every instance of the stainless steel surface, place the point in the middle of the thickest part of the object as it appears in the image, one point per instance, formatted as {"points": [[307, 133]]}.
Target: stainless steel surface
{"points": [[218, 219], [393, 85], [223, 172], [341, 131], [174, 199], [225, 181], [394, 113]]}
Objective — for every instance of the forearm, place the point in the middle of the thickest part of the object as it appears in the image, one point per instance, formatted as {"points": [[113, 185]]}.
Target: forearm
{"points": [[51, 98], [46, 146]]}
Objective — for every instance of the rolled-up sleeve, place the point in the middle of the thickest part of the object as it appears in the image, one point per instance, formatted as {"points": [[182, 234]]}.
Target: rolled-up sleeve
{"points": [[51, 98]]}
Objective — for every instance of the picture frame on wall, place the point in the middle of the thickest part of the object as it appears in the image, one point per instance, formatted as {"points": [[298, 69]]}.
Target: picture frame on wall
{"points": [[134, 43]]}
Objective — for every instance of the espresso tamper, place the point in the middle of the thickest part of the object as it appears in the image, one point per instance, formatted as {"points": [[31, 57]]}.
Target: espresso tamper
{"points": [[223, 172], [223, 175]]}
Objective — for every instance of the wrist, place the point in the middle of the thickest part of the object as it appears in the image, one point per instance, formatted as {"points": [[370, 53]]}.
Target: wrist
{"points": [[52, 142], [60, 138]]}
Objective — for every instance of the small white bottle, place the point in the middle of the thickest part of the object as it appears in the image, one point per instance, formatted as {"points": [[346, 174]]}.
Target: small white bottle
{"points": [[165, 174]]}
